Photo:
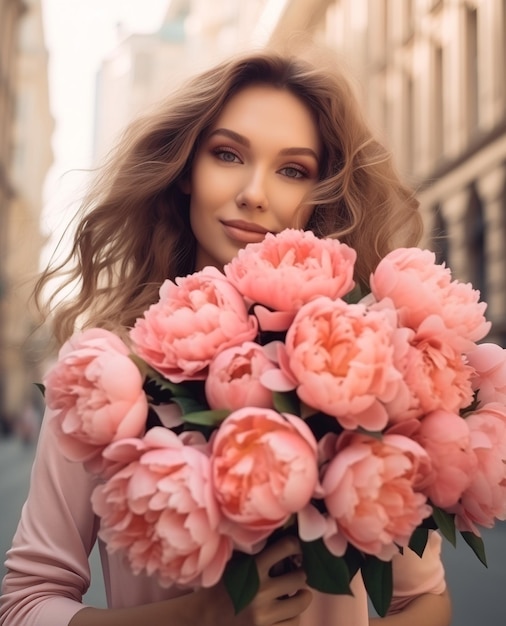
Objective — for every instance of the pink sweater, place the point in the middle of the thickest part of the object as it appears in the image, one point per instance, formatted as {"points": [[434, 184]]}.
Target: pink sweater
{"points": [[48, 570]]}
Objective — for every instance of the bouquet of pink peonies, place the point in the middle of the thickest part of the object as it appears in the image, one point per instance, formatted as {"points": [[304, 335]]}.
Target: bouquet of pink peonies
{"points": [[275, 397]]}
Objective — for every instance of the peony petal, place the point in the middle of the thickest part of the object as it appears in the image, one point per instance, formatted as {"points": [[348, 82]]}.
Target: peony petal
{"points": [[169, 414], [276, 380], [274, 321], [311, 522]]}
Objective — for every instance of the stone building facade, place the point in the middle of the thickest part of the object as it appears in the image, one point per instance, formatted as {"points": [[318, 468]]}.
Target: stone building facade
{"points": [[25, 156], [141, 69], [10, 15]]}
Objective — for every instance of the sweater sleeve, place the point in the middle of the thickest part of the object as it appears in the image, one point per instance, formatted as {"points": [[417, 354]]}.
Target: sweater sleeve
{"points": [[414, 575], [47, 565]]}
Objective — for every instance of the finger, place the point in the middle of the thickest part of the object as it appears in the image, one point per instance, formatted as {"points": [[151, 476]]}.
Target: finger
{"points": [[285, 586], [285, 547], [291, 608], [289, 584]]}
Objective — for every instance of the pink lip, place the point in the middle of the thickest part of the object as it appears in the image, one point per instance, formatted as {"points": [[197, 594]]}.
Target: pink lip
{"points": [[244, 232], [249, 226]]}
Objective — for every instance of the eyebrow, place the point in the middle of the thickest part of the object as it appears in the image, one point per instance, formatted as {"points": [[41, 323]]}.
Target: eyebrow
{"points": [[246, 143]]}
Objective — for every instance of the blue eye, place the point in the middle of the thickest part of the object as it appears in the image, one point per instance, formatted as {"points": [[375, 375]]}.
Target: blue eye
{"points": [[293, 172], [226, 155]]}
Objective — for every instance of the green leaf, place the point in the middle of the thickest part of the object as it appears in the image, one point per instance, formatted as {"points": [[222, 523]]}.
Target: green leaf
{"points": [[378, 581], [419, 540], [206, 418], [176, 389], [476, 544], [370, 433], [286, 402], [429, 523], [354, 295], [354, 559], [446, 524], [241, 580], [325, 572], [188, 405], [41, 388]]}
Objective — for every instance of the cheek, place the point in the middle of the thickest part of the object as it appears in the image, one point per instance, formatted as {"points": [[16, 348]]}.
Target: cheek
{"points": [[212, 192], [297, 216], [295, 213]]}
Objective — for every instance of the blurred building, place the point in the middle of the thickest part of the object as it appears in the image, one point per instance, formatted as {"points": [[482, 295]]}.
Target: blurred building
{"points": [[139, 71], [27, 126], [10, 15]]}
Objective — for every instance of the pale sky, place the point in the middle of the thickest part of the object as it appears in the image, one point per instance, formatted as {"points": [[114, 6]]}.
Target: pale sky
{"points": [[79, 34]]}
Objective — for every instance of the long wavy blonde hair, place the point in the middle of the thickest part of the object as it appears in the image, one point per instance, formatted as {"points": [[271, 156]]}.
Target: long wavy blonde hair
{"points": [[134, 231]]}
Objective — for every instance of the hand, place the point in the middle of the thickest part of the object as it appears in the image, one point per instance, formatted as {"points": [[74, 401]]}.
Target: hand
{"points": [[280, 599]]}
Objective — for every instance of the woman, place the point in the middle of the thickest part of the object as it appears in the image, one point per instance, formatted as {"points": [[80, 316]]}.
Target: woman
{"points": [[255, 145]]}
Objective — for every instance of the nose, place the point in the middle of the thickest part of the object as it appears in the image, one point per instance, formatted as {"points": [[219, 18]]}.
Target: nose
{"points": [[253, 195]]}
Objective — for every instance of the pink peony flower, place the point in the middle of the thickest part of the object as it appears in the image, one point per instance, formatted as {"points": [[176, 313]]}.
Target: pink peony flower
{"points": [[435, 374], [195, 318], [370, 492], [464, 314], [160, 510], [121, 453], [484, 500], [419, 288], [95, 391], [343, 357], [289, 269], [264, 470], [488, 361], [233, 381], [446, 438]]}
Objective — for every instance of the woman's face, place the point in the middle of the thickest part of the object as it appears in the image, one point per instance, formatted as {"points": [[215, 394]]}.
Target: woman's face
{"points": [[252, 172]]}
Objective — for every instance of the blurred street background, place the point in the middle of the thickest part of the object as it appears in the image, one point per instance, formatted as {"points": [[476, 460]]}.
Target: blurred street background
{"points": [[73, 73]]}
